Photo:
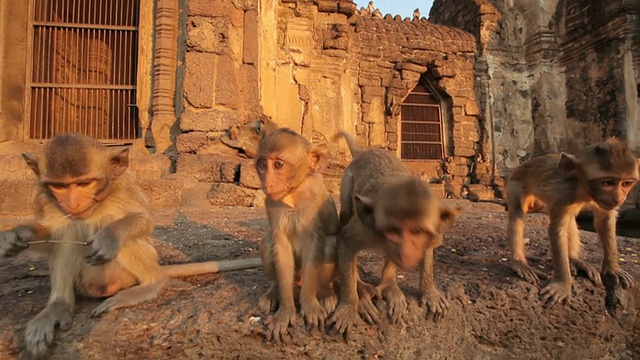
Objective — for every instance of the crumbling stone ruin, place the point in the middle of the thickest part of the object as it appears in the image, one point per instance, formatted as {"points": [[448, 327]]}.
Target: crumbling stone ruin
{"points": [[497, 82]]}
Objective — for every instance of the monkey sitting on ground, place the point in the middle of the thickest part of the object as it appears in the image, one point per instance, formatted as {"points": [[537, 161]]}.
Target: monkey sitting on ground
{"points": [[93, 222], [600, 179], [302, 216], [384, 207]]}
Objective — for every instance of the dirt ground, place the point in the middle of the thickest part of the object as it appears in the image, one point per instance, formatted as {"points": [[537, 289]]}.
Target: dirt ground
{"points": [[494, 315]]}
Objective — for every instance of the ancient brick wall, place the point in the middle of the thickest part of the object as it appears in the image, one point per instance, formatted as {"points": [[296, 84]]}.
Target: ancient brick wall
{"points": [[318, 67], [552, 75]]}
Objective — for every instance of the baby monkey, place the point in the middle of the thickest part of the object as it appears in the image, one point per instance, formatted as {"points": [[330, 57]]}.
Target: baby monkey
{"points": [[384, 207], [94, 223], [303, 222], [599, 179]]}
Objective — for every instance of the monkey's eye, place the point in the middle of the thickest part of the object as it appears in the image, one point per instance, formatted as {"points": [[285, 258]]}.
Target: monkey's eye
{"points": [[278, 164], [628, 183], [415, 231], [84, 184], [607, 183], [58, 186], [262, 164]]}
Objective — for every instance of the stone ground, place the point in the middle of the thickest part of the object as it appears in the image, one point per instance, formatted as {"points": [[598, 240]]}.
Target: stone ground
{"points": [[494, 315]]}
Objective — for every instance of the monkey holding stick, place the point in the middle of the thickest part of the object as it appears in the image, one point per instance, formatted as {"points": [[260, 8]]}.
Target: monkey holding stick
{"points": [[93, 222], [599, 179], [384, 207]]}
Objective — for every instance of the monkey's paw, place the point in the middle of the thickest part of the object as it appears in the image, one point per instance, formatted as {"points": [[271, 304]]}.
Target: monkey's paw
{"points": [[592, 273], [278, 324], [40, 331], [313, 313], [526, 272], [396, 302], [434, 303], [329, 300], [13, 242], [344, 319], [618, 277], [103, 247], [367, 310], [555, 292]]}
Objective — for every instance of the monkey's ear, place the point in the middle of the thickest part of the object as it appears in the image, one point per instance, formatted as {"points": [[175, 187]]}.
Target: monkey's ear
{"points": [[318, 157], [32, 162], [364, 209], [567, 163], [118, 161]]}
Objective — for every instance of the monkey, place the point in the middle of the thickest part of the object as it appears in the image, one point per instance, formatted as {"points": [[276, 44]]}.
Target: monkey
{"points": [[600, 179], [246, 137], [384, 207], [301, 215], [416, 14], [93, 222], [469, 194]]}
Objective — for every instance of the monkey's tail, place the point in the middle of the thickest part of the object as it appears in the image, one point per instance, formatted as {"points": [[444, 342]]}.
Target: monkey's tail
{"points": [[353, 147], [208, 267]]}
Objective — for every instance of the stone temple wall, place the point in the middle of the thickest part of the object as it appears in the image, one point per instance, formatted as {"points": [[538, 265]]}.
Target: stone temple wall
{"points": [[553, 75], [319, 67]]}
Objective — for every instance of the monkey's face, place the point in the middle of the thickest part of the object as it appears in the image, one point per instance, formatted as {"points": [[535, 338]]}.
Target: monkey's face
{"points": [[406, 242], [277, 177], [77, 197], [610, 192]]}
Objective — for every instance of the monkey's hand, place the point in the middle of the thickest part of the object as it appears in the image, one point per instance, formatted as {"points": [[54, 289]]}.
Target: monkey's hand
{"points": [[368, 311], [617, 277], [269, 300], [434, 302], [555, 292], [14, 241], [278, 324], [314, 314], [590, 270], [396, 301], [39, 331], [344, 319], [103, 247]]}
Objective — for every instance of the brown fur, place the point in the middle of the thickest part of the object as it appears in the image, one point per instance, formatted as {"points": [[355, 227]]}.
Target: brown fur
{"points": [[93, 222], [246, 137], [303, 223], [600, 179], [384, 207]]}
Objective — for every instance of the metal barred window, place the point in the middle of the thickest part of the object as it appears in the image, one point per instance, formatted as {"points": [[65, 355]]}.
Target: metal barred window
{"points": [[421, 126], [83, 68]]}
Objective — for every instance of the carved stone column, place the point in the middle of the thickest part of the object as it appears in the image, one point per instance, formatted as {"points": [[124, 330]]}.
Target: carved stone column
{"points": [[164, 74]]}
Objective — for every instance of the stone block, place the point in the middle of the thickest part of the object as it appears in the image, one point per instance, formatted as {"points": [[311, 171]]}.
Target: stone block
{"points": [[228, 171], [209, 35], [259, 199], [328, 6], [162, 193], [248, 175], [471, 108], [13, 167], [211, 8], [347, 7], [191, 141], [250, 48], [15, 196], [153, 166], [199, 79], [207, 120], [196, 196], [226, 194], [226, 84], [198, 166]]}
